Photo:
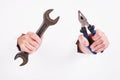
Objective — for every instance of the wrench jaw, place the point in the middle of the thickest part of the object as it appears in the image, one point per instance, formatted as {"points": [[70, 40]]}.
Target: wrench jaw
{"points": [[24, 56], [47, 18], [55, 20]]}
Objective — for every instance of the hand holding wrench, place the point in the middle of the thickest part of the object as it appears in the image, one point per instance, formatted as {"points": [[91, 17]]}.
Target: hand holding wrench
{"points": [[46, 23]]}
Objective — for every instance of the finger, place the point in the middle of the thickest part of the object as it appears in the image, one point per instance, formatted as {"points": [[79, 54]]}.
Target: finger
{"points": [[104, 46], [98, 42], [23, 48], [33, 43], [100, 47], [97, 35], [83, 40], [99, 50], [35, 37], [29, 47]]}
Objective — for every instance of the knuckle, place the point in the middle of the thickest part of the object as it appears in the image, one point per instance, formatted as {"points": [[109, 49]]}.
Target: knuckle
{"points": [[104, 45], [102, 41], [35, 45], [29, 32], [34, 48], [100, 33]]}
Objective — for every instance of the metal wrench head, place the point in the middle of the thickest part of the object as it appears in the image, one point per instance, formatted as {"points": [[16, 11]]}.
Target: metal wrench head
{"points": [[47, 18], [24, 56]]}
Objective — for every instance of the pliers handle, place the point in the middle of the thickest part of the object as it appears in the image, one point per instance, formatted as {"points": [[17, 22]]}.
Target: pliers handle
{"points": [[85, 34], [82, 19]]}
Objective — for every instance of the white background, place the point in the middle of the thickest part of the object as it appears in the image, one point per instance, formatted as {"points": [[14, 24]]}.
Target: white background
{"points": [[57, 58]]}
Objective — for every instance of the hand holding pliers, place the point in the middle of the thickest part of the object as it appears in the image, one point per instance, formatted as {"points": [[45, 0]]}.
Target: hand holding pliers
{"points": [[91, 28]]}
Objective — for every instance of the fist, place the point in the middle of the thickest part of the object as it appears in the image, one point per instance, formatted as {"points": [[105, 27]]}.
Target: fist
{"points": [[100, 42], [29, 42]]}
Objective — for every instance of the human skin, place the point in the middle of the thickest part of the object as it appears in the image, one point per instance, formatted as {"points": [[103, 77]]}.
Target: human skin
{"points": [[100, 42], [30, 42]]}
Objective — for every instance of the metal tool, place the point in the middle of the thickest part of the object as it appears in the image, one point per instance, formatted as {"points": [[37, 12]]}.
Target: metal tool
{"points": [[84, 24], [46, 23]]}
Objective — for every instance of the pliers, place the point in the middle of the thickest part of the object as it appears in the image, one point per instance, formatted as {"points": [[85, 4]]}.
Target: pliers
{"points": [[84, 23]]}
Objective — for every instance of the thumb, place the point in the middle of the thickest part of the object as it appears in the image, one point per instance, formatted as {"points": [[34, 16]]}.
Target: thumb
{"points": [[83, 41]]}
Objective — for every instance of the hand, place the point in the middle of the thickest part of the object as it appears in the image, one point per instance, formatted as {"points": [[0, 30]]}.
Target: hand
{"points": [[29, 42], [100, 42]]}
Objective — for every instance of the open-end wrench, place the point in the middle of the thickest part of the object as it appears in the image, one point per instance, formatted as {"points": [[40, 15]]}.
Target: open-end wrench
{"points": [[47, 21]]}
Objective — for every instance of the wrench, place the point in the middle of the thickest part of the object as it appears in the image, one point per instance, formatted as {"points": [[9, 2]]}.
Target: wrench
{"points": [[47, 21]]}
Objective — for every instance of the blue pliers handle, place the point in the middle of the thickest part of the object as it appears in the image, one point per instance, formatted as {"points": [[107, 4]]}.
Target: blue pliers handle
{"points": [[85, 34], [82, 19]]}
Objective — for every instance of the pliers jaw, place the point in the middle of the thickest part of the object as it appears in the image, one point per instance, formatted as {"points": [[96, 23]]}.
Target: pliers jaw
{"points": [[82, 19], [84, 23]]}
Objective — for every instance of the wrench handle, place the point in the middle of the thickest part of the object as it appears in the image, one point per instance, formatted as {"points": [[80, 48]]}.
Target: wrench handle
{"points": [[42, 29]]}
